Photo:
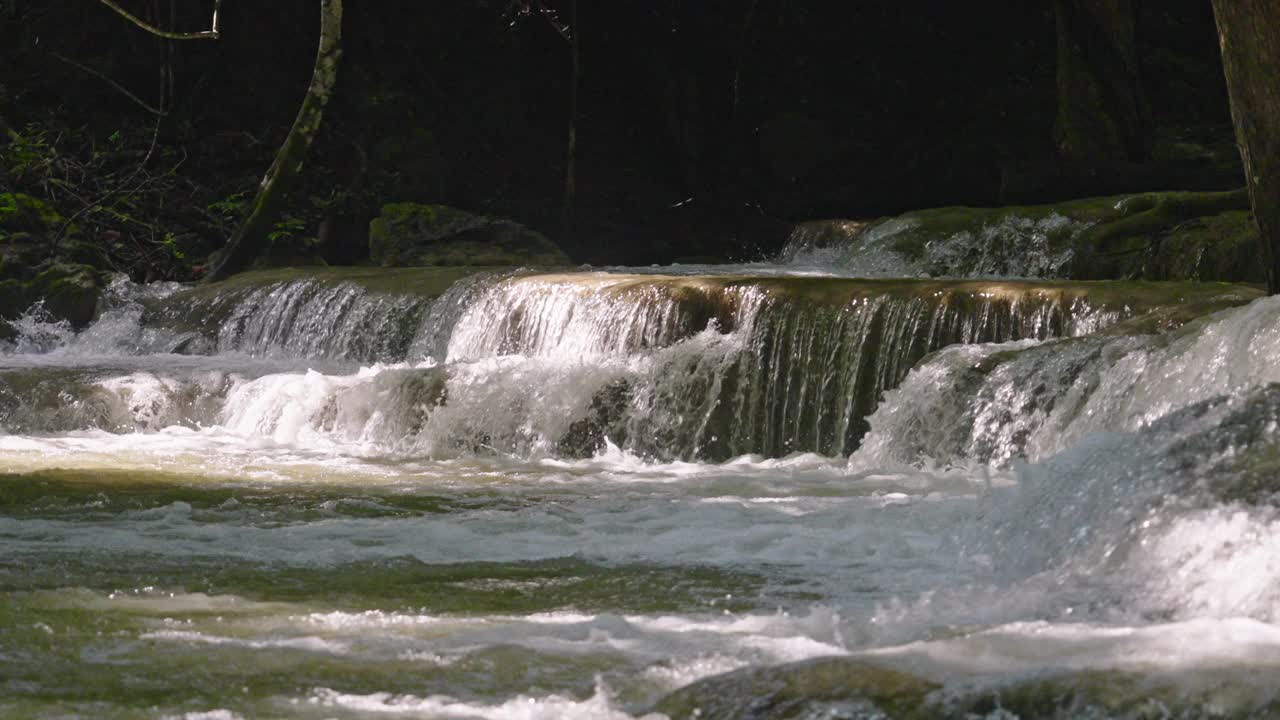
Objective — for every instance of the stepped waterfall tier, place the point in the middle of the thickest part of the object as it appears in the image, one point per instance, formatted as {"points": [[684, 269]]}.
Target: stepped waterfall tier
{"points": [[683, 491]]}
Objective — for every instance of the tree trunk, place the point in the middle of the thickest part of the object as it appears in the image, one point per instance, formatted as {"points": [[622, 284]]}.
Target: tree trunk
{"points": [[251, 237], [1103, 118], [1249, 32]]}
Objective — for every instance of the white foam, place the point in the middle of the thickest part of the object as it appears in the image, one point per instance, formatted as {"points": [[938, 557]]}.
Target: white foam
{"points": [[309, 644], [1026, 648], [599, 706]]}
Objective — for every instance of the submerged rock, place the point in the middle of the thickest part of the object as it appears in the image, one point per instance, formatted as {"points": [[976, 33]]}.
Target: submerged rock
{"points": [[846, 687], [827, 687], [416, 234]]}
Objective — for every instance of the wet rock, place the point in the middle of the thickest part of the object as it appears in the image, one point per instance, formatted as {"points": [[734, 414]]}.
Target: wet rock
{"points": [[412, 234], [1217, 693], [1148, 236], [827, 687], [70, 292]]}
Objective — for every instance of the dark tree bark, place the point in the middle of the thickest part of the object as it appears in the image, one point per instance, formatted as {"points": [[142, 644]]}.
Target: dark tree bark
{"points": [[1103, 117], [251, 237], [1249, 32]]}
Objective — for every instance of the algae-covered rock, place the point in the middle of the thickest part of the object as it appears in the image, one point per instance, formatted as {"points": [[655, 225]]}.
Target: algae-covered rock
{"points": [[1148, 236], [853, 688], [1208, 693], [70, 292], [406, 234], [813, 688]]}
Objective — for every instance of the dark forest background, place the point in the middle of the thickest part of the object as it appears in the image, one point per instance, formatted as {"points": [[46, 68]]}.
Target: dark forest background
{"points": [[705, 128]]}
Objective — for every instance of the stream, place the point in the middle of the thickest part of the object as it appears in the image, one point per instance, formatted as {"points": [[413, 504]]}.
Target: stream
{"points": [[769, 490]]}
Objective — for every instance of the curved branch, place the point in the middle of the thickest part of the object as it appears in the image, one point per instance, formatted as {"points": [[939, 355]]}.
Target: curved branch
{"points": [[139, 101], [251, 237], [210, 34]]}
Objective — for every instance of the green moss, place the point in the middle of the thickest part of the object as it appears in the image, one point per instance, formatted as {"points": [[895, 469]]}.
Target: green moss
{"points": [[796, 690], [1153, 236], [69, 292]]}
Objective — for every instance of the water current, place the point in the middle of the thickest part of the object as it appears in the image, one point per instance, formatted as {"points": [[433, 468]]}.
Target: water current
{"points": [[750, 491]]}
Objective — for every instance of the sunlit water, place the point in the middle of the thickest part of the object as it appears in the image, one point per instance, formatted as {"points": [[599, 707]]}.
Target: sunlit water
{"points": [[571, 496]]}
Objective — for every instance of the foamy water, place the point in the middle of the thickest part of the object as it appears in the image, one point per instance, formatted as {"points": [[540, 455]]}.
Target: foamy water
{"points": [[543, 519]]}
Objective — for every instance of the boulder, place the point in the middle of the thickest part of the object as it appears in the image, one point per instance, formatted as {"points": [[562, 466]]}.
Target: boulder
{"points": [[70, 292], [412, 234], [1147, 236], [808, 689]]}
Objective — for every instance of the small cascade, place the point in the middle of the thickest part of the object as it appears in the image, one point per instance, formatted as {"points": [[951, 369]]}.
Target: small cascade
{"points": [[952, 498], [1007, 246], [999, 403], [360, 316], [800, 375], [584, 315], [311, 318], [665, 366]]}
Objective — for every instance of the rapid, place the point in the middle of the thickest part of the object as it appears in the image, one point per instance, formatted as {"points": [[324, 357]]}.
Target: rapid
{"points": [[795, 489]]}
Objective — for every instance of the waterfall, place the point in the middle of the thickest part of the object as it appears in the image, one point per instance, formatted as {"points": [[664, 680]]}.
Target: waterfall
{"points": [[529, 365], [960, 247], [996, 404], [984, 493]]}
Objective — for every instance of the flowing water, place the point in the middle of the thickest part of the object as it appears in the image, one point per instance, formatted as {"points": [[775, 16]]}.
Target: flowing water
{"points": [[751, 492]]}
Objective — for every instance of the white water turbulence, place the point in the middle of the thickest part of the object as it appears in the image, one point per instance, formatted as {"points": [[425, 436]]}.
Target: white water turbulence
{"points": [[1010, 246], [429, 494]]}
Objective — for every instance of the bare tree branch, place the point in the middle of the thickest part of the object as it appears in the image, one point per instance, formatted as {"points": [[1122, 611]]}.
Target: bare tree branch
{"points": [[210, 34], [550, 16], [141, 103]]}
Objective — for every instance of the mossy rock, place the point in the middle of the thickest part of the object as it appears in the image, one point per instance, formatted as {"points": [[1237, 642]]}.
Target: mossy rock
{"points": [[799, 690], [1225, 245], [1147, 236], [413, 234], [1223, 692], [70, 292]]}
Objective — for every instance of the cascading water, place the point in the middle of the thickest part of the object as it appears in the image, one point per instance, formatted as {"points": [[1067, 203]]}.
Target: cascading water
{"points": [[1010, 246], [589, 494]]}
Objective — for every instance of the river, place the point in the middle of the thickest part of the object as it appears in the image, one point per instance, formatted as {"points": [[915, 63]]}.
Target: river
{"points": [[754, 491]]}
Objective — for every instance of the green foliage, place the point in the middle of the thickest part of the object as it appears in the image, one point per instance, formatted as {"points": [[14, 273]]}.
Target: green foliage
{"points": [[232, 207], [170, 244], [96, 200], [27, 156], [286, 229]]}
